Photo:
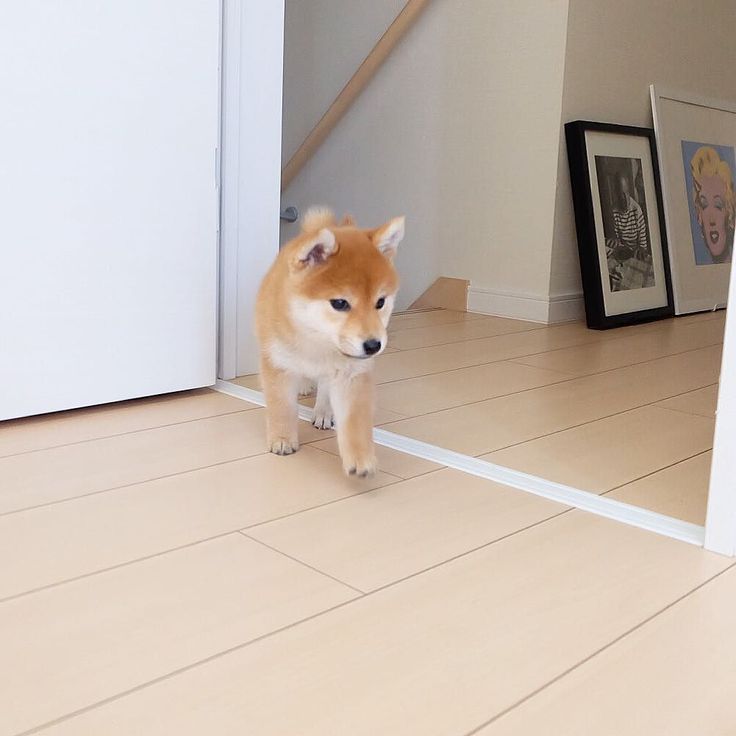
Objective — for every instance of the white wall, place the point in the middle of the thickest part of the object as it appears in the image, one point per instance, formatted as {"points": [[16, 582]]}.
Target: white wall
{"points": [[502, 87], [614, 51], [325, 42], [382, 158], [458, 131], [462, 128]]}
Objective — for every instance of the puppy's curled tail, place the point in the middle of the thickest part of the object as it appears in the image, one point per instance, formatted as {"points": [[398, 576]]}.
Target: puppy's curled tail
{"points": [[315, 218]]}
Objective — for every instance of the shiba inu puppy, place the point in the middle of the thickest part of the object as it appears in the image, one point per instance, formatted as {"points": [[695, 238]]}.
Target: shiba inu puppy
{"points": [[321, 319]]}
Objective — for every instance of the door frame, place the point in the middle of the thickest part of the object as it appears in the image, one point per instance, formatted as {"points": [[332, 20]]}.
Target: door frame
{"points": [[250, 170]]}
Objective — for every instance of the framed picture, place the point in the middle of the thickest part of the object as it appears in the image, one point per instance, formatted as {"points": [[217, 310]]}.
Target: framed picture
{"points": [[696, 138], [620, 228]]}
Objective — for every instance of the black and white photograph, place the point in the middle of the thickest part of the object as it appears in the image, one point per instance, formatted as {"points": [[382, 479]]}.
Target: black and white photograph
{"points": [[625, 223], [621, 237]]}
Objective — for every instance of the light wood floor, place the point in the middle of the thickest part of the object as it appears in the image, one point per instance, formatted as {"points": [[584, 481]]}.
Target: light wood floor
{"points": [[628, 412], [162, 575]]}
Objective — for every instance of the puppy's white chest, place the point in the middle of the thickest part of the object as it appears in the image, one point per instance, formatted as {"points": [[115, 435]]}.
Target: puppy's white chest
{"points": [[314, 364]]}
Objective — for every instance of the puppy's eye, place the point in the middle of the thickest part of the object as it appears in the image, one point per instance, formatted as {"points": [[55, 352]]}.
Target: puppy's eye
{"points": [[341, 305], [380, 303]]}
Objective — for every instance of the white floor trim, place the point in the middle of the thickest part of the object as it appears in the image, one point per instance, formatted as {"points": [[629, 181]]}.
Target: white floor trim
{"points": [[567, 495]]}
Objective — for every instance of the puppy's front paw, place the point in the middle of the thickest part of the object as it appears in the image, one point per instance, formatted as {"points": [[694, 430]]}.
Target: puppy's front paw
{"points": [[323, 420], [282, 446], [360, 465]]}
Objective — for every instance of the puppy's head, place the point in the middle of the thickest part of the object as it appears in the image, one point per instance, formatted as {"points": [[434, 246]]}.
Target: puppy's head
{"points": [[343, 282]]}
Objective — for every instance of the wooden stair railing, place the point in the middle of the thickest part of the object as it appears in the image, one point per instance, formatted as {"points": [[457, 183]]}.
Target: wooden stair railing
{"points": [[349, 93]]}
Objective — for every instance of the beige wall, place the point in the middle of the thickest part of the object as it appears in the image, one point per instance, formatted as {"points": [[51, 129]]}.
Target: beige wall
{"points": [[614, 51], [458, 131]]}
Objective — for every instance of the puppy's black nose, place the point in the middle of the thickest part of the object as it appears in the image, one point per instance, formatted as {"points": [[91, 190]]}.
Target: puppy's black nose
{"points": [[371, 347]]}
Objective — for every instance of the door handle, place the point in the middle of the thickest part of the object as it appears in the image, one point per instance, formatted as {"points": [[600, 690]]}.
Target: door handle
{"points": [[290, 214]]}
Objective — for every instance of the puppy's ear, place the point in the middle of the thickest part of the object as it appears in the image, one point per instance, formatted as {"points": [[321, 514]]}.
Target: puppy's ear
{"points": [[315, 249], [387, 237], [348, 221]]}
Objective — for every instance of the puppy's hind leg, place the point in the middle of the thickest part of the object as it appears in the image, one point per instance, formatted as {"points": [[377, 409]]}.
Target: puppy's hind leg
{"points": [[282, 418], [323, 417]]}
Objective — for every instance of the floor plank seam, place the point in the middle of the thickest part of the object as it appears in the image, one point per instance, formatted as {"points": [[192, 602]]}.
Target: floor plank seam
{"points": [[118, 566], [130, 485], [519, 361], [281, 552], [397, 330], [654, 472], [654, 403], [478, 320], [468, 552], [234, 530], [684, 411], [569, 379], [328, 503], [600, 335], [473, 339], [577, 426], [129, 432], [599, 651], [518, 358], [565, 376], [267, 635]]}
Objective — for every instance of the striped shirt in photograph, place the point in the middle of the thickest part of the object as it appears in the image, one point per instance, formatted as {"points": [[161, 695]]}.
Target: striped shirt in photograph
{"points": [[630, 226]]}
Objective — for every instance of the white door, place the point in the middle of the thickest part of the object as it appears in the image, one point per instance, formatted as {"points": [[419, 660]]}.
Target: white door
{"points": [[108, 200]]}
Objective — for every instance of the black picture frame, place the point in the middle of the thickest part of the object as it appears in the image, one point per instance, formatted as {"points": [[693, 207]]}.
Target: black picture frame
{"points": [[599, 286]]}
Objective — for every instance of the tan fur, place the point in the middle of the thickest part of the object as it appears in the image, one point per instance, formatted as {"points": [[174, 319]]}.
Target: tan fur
{"points": [[305, 340]]}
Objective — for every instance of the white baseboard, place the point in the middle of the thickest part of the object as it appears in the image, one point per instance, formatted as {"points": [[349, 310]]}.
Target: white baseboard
{"points": [[531, 308], [566, 308], [504, 304]]}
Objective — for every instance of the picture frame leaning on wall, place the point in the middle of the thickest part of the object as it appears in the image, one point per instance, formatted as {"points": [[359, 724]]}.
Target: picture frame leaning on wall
{"points": [[619, 222], [696, 141]]}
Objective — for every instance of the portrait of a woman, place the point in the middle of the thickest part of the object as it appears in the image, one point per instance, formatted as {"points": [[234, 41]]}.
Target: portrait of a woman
{"points": [[709, 176]]}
